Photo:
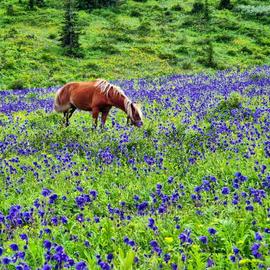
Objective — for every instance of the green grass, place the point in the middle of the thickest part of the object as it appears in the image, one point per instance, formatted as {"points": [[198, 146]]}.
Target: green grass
{"points": [[129, 41]]}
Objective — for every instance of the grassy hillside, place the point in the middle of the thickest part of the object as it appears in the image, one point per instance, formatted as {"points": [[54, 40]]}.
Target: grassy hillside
{"points": [[134, 39]]}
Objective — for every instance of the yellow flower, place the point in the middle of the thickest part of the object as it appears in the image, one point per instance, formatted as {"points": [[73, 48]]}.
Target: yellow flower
{"points": [[168, 240], [244, 261]]}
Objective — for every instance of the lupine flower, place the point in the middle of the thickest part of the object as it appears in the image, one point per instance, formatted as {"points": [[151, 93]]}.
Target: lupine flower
{"points": [[81, 266], [225, 191], [167, 257], [203, 239], [47, 244], [235, 250], [258, 237], [209, 263], [14, 247], [212, 231]]}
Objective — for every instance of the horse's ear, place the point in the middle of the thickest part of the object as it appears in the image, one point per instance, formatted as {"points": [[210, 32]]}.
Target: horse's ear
{"points": [[138, 105]]}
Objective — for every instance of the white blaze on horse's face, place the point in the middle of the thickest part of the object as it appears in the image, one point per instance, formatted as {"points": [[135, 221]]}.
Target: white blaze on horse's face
{"points": [[137, 118]]}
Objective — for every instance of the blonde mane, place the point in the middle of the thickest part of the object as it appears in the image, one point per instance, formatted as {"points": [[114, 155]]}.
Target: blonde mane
{"points": [[105, 87]]}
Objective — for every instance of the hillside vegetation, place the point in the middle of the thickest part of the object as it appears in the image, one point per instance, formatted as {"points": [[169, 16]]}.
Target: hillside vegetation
{"points": [[133, 39]]}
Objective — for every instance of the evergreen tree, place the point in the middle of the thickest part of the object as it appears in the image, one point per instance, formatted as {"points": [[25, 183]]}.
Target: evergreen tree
{"points": [[90, 4], [225, 4], [10, 10], [210, 62], [197, 7], [70, 31], [31, 4], [40, 3], [206, 11]]}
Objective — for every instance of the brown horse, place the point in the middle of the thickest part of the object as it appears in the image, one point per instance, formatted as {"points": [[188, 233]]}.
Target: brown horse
{"points": [[96, 96]]}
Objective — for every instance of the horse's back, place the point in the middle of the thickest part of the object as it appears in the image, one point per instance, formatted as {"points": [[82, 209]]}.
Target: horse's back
{"points": [[79, 94], [82, 94]]}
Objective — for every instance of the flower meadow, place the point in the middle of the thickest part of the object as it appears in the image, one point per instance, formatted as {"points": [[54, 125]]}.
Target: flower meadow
{"points": [[188, 190]]}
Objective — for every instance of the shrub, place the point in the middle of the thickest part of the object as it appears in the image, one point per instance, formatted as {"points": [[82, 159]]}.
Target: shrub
{"points": [[225, 4], [234, 101], [52, 36], [177, 7], [198, 7], [144, 28], [187, 65], [17, 84], [135, 13], [10, 10]]}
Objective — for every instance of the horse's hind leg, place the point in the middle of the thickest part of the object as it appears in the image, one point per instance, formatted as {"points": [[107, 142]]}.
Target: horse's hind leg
{"points": [[95, 112], [71, 111], [66, 122]]}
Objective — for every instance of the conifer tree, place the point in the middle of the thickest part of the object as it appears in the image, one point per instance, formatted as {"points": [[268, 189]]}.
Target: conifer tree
{"points": [[70, 30], [206, 11], [225, 4], [90, 4], [31, 4], [40, 3]]}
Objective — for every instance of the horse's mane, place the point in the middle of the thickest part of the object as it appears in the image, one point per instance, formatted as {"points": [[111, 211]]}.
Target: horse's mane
{"points": [[105, 87]]}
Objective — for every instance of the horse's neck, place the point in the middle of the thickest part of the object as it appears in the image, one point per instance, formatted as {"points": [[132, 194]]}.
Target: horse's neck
{"points": [[119, 102]]}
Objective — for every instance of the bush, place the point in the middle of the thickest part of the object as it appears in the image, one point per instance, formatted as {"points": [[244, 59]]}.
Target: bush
{"points": [[144, 28], [187, 65], [10, 10], [225, 4], [234, 101], [52, 36], [177, 7], [17, 84], [254, 11], [198, 7], [135, 13]]}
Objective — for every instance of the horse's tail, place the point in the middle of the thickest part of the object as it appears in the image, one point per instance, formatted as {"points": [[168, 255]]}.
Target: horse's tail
{"points": [[61, 101]]}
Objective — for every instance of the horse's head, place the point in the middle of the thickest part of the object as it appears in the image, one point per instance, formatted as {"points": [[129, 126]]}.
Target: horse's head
{"points": [[137, 117]]}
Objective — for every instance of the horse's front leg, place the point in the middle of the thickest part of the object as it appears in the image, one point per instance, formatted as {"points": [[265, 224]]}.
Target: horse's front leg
{"points": [[128, 119], [95, 112]]}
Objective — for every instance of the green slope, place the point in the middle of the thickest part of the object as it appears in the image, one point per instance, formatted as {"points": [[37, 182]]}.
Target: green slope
{"points": [[135, 39]]}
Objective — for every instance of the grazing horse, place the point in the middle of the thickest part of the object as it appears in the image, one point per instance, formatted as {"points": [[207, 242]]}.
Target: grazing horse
{"points": [[96, 96]]}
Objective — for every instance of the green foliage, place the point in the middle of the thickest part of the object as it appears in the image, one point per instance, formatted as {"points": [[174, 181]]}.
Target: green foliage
{"points": [[17, 84], [225, 4], [197, 7], [255, 11], [234, 101], [31, 4], [10, 10], [177, 7], [92, 4]]}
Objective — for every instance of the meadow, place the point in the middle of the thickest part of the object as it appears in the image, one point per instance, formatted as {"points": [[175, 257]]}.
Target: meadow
{"points": [[135, 39], [188, 190]]}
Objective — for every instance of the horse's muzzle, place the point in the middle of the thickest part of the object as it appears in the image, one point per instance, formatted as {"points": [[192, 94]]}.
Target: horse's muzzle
{"points": [[138, 124]]}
